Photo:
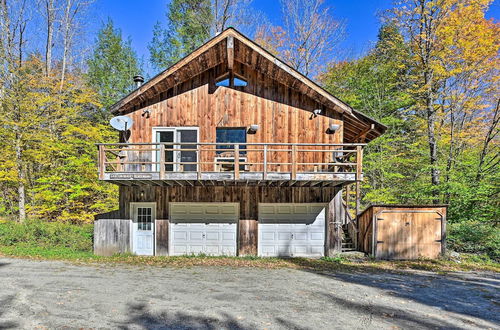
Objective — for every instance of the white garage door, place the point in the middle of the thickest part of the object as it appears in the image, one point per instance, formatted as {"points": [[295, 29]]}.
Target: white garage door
{"points": [[291, 230], [208, 228]]}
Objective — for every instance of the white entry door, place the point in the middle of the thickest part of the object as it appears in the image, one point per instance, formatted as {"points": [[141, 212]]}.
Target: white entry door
{"points": [[143, 228], [203, 228], [291, 230]]}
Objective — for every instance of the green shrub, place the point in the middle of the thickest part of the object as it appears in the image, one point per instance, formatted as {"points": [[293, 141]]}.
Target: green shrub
{"points": [[475, 237], [38, 233]]}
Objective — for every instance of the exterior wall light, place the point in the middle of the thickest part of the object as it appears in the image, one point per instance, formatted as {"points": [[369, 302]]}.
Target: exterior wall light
{"points": [[316, 112], [332, 129], [253, 129]]}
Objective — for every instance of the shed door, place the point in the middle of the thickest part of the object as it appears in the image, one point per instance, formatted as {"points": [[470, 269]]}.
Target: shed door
{"points": [[203, 228], [291, 230], [143, 228], [408, 235]]}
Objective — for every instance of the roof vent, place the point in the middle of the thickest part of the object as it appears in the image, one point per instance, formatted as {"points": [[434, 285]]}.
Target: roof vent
{"points": [[138, 80]]}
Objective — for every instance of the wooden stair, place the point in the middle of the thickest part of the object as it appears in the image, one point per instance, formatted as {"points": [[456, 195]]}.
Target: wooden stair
{"points": [[347, 241]]}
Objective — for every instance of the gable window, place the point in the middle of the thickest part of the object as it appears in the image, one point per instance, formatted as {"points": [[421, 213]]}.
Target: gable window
{"points": [[222, 82], [230, 135], [225, 81], [238, 82]]}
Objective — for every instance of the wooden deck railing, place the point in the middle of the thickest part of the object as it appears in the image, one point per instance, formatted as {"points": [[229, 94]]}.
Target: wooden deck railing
{"points": [[265, 159]]}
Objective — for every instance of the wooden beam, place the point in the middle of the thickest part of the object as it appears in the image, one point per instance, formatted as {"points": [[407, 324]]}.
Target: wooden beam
{"points": [[362, 135], [230, 52]]}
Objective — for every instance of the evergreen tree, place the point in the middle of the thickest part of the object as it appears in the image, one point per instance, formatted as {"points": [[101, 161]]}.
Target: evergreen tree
{"points": [[111, 67], [188, 27]]}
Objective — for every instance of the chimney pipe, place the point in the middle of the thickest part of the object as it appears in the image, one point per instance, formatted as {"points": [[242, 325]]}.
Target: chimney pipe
{"points": [[138, 80]]}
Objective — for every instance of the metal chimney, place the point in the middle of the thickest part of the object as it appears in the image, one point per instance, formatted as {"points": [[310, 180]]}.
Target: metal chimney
{"points": [[138, 80]]}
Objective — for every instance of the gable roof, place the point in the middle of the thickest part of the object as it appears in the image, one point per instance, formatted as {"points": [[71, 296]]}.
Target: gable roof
{"points": [[230, 46]]}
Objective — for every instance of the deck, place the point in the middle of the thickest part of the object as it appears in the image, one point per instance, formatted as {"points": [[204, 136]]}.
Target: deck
{"points": [[269, 164]]}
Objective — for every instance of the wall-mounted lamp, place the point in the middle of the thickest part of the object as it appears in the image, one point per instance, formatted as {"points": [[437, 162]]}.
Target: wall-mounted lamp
{"points": [[146, 113], [332, 129], [316, 112], [253, 129]]}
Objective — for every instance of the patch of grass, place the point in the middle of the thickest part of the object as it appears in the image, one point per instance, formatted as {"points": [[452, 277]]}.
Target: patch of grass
{"points": [[38, 233], [58, 241], [440, 266]]}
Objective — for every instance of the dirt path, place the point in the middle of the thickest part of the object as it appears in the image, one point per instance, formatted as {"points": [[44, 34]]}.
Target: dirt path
{"points": [[56, 294]]}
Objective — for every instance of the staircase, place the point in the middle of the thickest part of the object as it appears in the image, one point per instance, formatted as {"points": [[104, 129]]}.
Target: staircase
{"points": [[347, 241]]}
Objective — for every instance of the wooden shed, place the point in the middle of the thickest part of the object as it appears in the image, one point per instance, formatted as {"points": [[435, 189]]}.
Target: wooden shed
{"points": [[402, 231]]}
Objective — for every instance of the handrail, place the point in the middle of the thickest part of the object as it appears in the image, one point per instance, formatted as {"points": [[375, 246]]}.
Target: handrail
{"points": [[233, 143], [208, 157]]}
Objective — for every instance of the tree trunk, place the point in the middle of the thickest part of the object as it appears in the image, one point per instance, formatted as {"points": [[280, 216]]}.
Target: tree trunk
{"points": [[50, 11], [21, 178]]}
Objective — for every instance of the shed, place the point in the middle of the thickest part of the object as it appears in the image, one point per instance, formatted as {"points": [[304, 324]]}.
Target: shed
{"points": [[402, 231]]}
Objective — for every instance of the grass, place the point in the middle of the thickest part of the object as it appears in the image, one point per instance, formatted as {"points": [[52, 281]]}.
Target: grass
{"points": [[468, 263], [58, 241]]}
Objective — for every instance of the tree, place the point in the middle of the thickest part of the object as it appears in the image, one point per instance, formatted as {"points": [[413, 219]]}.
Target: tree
{"points": [[454, 50], [376, 85], [188, 27], [111, 67], [308, 36]]}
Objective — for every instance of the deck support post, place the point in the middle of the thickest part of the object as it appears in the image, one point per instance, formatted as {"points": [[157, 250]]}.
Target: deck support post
{"points": [[162, 161], [236, 162], [102, 160], [294, 162], [333, 241]]}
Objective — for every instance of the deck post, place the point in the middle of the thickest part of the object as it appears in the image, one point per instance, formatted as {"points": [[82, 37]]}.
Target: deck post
{"points": [[264, 172], [359, 162], [294, 162], [198, 161], [162, 161], [236, 162], [102, 162]]}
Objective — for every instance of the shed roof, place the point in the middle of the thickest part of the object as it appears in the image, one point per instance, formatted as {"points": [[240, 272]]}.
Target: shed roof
{"points": [[231, 45]]}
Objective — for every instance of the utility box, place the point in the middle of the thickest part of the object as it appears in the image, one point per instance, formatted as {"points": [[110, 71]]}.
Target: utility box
{"points": [[402, 232]]}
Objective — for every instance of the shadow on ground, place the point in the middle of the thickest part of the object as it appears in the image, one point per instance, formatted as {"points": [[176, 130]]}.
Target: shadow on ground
{"points": [[141, 316], [4, 304], [461, 293]]}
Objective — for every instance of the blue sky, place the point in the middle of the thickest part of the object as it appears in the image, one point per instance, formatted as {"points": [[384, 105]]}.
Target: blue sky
{"points": [[136, 19]]}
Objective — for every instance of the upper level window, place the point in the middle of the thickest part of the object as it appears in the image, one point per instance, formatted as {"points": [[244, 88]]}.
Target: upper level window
{"points": [[230, 135], [225, 81]]}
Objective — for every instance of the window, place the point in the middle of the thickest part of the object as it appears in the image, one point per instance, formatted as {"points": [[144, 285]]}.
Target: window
{"points": [[231, 135], [238, 82], [225, 81], [222, 82], [144, 218]]}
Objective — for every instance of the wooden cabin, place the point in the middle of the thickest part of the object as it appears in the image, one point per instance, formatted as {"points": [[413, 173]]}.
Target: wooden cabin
{"points": [[231, 152]]}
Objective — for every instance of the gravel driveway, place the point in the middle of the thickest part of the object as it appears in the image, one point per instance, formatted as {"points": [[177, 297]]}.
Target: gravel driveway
{"points": [[56, 295]]}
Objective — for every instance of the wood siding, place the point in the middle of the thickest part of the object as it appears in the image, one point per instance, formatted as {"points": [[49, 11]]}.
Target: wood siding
{"points": [[248, 198], [161, 230], [283, 114], [403, 232], [111, 236]]}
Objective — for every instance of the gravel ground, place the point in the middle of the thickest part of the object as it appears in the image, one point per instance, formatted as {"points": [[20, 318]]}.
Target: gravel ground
{"points": [[51, 294]]}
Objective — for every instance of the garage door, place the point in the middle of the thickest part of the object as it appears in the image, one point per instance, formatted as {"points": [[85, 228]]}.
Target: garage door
{"points": [[291, 230], [208, 228]]}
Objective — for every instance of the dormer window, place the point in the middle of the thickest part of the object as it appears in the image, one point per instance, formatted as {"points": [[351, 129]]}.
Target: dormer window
{"points": [[225, 81]]}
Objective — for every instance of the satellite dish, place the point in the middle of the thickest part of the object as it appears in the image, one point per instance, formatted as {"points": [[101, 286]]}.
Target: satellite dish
{"points": [[121, 123]]}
